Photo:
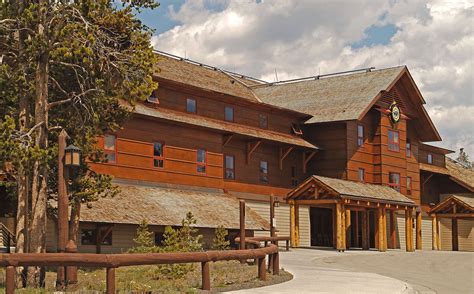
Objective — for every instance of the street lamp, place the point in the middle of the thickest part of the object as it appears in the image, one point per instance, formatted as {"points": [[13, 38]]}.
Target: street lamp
{"points": [[72, 156]]}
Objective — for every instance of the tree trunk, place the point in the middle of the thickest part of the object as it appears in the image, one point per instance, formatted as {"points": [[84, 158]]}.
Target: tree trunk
{"points": [[74, 224]]}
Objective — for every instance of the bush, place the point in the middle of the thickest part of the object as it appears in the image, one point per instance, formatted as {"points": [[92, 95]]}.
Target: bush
{"points": [[220, 242]]}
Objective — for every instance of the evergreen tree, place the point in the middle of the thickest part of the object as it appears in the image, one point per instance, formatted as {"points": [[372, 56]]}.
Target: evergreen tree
{"points": [[65, 65], [144, 242], [220, 242], [463, 159]]}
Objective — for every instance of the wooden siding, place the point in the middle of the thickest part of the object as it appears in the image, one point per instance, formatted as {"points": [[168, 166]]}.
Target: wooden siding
{"points": [[466, 234], [426, 233], [445, 234]]}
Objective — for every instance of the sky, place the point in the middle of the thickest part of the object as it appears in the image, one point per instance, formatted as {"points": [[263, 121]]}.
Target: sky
{"points": [[298, 38]]}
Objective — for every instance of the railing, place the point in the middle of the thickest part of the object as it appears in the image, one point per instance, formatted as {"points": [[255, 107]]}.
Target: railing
{"points": [[269, 239], [113, 261], [7, 238]]}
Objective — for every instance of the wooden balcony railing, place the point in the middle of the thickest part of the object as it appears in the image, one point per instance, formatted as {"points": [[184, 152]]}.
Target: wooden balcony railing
{"points": [[7, 238], [113, 261]]}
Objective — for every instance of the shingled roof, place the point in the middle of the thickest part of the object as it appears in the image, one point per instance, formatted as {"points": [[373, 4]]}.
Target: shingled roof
{"points": [[168, 206], [460, 174], [337, 98]]}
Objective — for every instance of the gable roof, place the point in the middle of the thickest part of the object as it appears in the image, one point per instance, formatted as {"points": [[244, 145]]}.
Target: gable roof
{"points": [[337, 98], [356, 190], [460, 174], [168, 206], [465, 201]]}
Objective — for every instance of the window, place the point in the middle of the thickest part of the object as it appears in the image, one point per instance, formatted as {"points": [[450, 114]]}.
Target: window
{"points": [[394, 181], [361, 175], [393, 141], [408, 185], [294, 177], [229, 167], [110, 149], [89, 237], [153, 98], [264, 171], [191, 105], [229, 113], [408, 149], [158, 155], [360, 135], [201, 161], [430, 158], [158, 239], [263, 121]]}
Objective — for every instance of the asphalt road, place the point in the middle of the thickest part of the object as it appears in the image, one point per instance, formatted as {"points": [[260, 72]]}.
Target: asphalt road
{"points": [[327, 271]]}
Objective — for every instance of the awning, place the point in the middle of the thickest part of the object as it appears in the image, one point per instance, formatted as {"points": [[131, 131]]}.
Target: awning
{"points": [[168, 206], [455, 205], [323, 188]]}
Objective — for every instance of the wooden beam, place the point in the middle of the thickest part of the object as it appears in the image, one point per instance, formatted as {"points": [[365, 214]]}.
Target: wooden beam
{"points": [[339, 228], [348, 228], [251, 147], [455, 215], [380, 229], [306, 159], [365, 230], [408, 231], [426, 180], [227, 139], [419, 242], [284, 154], [434, 232], [316, 201]]}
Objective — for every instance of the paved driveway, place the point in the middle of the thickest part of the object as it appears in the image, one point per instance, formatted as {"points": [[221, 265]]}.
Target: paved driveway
{"points": [[326, 271]]}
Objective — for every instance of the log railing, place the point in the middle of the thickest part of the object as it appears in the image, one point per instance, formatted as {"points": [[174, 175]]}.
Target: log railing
{"points": [[269, 239], [113, 261], [7, 238]]}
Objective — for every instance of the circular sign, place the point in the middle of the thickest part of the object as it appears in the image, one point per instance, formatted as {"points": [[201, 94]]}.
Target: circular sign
{"points": [[394, 113]]}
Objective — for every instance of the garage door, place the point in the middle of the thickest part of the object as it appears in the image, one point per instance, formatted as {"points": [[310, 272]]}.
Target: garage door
{"points": [[426, 233], [445, 234], [466, 234]]}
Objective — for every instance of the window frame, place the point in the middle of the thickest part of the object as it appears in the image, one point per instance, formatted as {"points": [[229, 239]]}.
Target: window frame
{"points": [[111, 151], [360, 139], [362, 180], [225, 113], [195, 105], [429, 158], [392, 142], [263, 173], [162, 157], [94, 237], [260, 116], [408, 149], [395, 186], [201, 164], [409, 185], [226, 168]]}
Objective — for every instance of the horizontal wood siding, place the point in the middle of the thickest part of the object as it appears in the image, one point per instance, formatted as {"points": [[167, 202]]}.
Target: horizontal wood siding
{"points": [[304, 226], [427, 232], [445, 234], [466, 234]]}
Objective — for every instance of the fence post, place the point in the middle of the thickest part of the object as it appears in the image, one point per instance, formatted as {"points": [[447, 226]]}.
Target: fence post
{"points": [[110, 280], [262, 271], [206, 276], [10, 280], [276, 263]]}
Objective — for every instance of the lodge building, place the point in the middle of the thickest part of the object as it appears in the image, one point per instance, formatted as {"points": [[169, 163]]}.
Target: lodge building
{"points": [[345, 154]]}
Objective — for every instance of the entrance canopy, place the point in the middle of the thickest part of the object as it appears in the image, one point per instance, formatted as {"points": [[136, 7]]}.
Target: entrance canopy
{"points": [[455, 205], [318, 189]]}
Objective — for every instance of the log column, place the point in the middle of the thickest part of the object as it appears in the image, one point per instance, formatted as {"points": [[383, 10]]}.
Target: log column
{"points": [[294, 224], [393, 234], [347, 228], [365, 230], [454, 232], [382, 236], [419, 242], [434, 232], [340, 242], [409, 230]]}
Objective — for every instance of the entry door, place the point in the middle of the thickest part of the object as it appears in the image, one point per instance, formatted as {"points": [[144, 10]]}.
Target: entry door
{"points": [[321, 227]]}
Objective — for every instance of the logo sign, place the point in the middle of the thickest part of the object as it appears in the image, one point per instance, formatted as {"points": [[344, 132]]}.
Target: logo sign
{"points": [[394, 113]]}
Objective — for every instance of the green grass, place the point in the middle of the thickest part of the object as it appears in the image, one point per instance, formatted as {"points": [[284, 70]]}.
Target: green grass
{"points": [[225, 275]]}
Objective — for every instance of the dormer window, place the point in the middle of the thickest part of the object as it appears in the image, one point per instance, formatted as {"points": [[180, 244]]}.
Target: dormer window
{"points": [[191, 105], [296, 129], [360, 135]]}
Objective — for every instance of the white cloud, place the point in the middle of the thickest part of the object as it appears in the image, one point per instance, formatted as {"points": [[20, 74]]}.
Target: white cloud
{"points": [[300, 38]]}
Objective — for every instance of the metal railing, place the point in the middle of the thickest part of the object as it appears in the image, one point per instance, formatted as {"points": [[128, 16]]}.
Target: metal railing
{"points": [[113, 261], [7, 238]]}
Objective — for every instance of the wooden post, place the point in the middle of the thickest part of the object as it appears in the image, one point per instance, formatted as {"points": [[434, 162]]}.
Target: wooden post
{"points": [[419, 242], [262, 271], [340, 226], [272, 216], [242, 224], [334, 227], [408, 230], [292, 223], [434, 232], [393, 233], [110, 280], [385, 239], [10, 280], [454, 233], [380, 229], [205, 276], [347, 229], [63, 203], [276, 263], [356, 229], [365, 230]]}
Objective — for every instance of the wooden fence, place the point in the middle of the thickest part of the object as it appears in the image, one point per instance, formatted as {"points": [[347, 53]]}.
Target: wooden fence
{"points": [[113, 261]]}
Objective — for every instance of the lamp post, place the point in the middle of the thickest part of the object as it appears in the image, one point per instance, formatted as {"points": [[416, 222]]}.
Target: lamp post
{"points": [[68, 158]]}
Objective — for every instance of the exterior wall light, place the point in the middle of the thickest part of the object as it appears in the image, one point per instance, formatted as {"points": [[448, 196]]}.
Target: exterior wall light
{"points": [[72, 156]]}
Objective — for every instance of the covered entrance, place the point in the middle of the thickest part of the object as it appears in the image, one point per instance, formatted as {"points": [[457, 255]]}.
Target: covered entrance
{"points": [[347, 214], [453, 220]]}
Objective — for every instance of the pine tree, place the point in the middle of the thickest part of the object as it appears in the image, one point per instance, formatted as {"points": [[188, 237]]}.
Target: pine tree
{"points": [[219, 242], [144, 241], [463, 159]]}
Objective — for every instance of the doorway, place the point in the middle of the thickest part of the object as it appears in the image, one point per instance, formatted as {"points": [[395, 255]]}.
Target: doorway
{"points": [[321, 226]]}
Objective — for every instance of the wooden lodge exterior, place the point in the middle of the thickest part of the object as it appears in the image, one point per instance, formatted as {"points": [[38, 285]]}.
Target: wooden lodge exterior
{"points": [[347, 173]]}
